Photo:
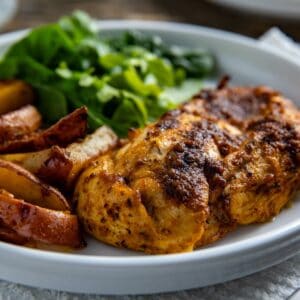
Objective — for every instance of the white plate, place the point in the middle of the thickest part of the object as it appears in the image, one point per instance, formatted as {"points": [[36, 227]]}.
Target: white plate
{"points": [[279, 8], [106, 270]]}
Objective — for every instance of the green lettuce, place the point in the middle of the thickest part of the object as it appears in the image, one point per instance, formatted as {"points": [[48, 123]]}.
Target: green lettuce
{"points": [[126, 81]]}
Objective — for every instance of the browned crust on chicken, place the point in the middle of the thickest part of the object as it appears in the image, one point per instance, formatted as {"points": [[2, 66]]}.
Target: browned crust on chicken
{"points": [[188, 171], [227, 157]]}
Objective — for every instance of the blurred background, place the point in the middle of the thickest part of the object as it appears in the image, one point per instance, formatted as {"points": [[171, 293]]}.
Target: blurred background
{"points": [[33, 12]]}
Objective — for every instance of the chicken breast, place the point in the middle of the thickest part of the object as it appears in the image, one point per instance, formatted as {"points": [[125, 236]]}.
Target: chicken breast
{"points": [[184, 182]]}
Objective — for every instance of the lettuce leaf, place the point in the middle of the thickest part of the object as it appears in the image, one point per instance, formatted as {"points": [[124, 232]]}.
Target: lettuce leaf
{"points": [[126, 81]]}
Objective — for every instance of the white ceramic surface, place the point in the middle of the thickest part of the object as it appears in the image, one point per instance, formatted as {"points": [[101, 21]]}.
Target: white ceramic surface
{"points": [[103, 269], [279, 8]]}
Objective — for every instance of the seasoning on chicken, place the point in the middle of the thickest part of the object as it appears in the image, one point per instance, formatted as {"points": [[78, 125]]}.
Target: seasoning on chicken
{"points": [[229, 156]]}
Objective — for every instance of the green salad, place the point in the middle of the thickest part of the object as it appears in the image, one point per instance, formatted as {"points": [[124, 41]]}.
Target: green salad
{"points": [[125, 81]]}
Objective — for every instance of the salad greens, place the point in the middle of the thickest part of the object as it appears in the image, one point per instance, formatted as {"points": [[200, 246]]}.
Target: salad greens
{"points": [[125, 81]]}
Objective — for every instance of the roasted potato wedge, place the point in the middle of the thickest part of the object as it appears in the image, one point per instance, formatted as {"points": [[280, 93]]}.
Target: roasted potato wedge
{"points": [[25, 185], [80, 153], [31, 161], [34, 223], [64, 132], [10, 236], [19, 122], [14, 94], [52, 165], [60, 166]]}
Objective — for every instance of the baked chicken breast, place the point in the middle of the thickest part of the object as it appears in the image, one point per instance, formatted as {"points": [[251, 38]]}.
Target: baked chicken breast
{"points": [[229, 156]]}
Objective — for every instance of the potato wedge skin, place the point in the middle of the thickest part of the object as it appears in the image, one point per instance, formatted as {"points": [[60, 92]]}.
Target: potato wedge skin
{"points": [[39, 224], [10, 236], [61, 166], [52, 165], [56, 169], [65, 131], [19, 122], [14, 94], [25, 185]]}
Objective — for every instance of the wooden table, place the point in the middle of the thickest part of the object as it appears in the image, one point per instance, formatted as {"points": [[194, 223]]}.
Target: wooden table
{"points": [[34, 12]]}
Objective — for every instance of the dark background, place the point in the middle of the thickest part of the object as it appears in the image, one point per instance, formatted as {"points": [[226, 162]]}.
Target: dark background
{"points": [[34, 12]]}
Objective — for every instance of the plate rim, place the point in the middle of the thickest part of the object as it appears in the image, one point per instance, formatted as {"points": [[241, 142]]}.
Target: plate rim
{"points": [[282, 9], [204, 254]]}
